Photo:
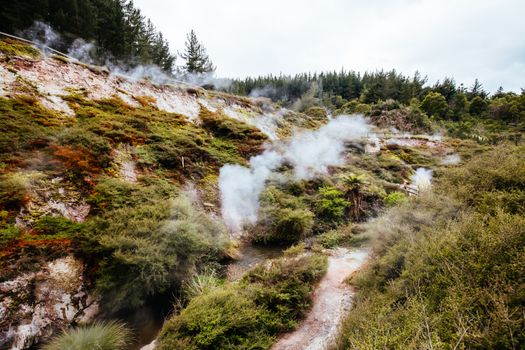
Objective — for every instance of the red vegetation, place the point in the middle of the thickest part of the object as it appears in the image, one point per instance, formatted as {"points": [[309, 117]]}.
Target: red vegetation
{"points": [[20, 244], [77, 160]]}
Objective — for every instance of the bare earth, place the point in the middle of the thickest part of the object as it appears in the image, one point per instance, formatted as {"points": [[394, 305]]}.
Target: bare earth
{"points": [[332, 300]]}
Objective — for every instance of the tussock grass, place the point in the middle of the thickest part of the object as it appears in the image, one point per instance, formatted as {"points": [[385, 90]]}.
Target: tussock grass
{"points": [[98, 336]]}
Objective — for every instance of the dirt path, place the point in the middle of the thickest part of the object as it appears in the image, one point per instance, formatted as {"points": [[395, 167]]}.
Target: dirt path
{"points": [[332, 300]]}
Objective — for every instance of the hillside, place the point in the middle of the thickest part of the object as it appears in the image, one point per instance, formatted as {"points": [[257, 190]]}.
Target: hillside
{"points": [[231, 215]]}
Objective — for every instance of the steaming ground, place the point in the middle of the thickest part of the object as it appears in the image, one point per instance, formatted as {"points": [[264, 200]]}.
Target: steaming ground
{"points": [[309, 153]]}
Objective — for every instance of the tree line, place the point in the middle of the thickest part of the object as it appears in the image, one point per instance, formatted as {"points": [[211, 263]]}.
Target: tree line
{"points": [[341, 90]]}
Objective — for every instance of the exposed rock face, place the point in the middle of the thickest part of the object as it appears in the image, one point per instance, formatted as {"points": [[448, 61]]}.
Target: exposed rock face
{"points": [[49, 80], [52, 197], [124, 163], [35, 305]]}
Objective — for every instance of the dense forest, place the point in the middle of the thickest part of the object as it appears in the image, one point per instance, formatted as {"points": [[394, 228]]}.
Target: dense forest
{"points": [[119, 29]]}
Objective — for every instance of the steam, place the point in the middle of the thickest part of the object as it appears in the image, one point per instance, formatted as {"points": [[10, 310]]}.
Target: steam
{"points": [[267, 91], [310, 153], [150, 72], [422, 179], [451, 159], [82, 51], [240, 189], [43, 36], [205, 79]]}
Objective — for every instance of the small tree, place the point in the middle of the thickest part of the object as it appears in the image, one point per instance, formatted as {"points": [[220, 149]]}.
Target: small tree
{"points": [[435, 104], [354, 184], [478, 105], [197, 61]]}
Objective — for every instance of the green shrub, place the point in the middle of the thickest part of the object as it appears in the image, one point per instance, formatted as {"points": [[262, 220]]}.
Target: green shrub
{"points": [[491, 181], [316, 112], [283, 218], [99, 336], [447, 272], [7, 234], [201, 283], [331, 206], [151, 248], [395, 198], [56, 227], [112, 193], [447, 285], [13, 191], [434, 104], [478, 106], [330, 239], [342, 236], [248, 314], [354, 106]]}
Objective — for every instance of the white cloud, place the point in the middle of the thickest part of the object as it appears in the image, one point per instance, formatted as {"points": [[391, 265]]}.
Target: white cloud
{"points": [[464, 39]]}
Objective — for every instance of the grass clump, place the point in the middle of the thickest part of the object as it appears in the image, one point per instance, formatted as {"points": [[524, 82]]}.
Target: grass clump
{"points": [[248, 314], [99, 336]]}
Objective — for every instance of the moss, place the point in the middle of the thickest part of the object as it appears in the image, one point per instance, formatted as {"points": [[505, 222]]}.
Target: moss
{"points": [[60, 58], [11, 47]]}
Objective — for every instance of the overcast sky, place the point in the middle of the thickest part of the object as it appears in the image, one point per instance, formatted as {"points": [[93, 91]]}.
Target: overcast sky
{"points": [[463, 39]]}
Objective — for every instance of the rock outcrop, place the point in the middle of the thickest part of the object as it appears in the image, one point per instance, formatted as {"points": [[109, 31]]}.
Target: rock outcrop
{"points": [[36, 304]]}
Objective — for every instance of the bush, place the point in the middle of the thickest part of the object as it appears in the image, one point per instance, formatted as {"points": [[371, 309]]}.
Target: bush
{"points": [[201, 283], [7, 234], [434, 104], [283, 218], [447, 272], [249, 314], [354, 106], [13, 192], [57, 227], [478, 106], [453, 284], [111, 193], [491, 181], [331, 207], [317, 113], [394, 198], [100, 336], [151, 247]]}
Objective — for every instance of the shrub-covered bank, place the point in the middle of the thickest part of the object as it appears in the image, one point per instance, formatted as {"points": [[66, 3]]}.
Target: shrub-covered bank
{"points": [[448, 272], [248, 314]]}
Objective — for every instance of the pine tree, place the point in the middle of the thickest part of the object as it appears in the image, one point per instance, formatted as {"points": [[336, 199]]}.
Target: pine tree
{"points": [[197, 61]]}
